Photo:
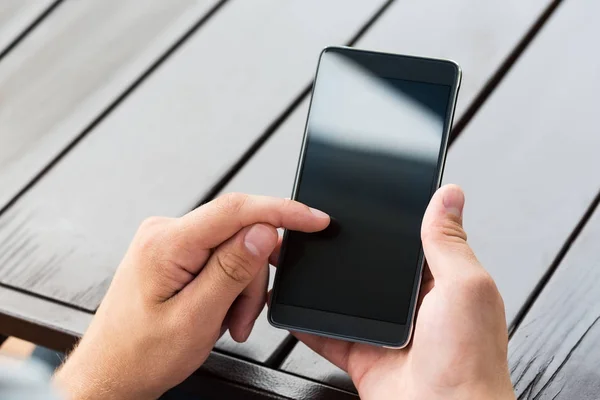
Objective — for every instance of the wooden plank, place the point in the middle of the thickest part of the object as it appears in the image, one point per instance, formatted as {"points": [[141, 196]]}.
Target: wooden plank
{"points": [[16, 16], [71, 67], [267, 380], [485, 28], [303, 359], [59, 327], [528, 161], [162, 150], [40, 321], [554, 353]]}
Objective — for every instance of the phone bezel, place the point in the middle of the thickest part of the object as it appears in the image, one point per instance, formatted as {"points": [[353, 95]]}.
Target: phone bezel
{"points": [[353, 328]]}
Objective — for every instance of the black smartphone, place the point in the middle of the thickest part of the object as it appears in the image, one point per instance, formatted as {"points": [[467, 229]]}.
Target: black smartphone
{"points": [[373, 155]]}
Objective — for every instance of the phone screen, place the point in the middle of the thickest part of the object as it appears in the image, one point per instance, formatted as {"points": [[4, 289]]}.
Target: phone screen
{"points": [[371, 162]]}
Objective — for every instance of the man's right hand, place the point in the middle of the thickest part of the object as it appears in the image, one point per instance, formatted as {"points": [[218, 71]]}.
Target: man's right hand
{"points": [[459, 347]]}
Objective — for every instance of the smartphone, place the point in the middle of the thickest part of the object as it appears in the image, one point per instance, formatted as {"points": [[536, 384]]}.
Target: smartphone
{"points": [[372, 156]]}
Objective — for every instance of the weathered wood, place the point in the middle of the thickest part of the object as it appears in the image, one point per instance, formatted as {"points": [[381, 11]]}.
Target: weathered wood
{"points": [[528, 161], [165, 146], [554, 352], [302, 360], [268, 380], [59, 327], [40, 321], [479, 35], [16, 16], [71, 67]]}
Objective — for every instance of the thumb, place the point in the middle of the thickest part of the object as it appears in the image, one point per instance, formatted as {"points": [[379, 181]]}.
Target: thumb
{"points": [[231, 268], [444, 239]]}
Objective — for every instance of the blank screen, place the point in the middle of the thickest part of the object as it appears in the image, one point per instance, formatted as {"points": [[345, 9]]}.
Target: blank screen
{"points": [[371, 160]]}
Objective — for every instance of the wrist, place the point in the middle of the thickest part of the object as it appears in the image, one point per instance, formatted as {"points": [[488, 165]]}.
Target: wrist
{"points": [[88, 377], [481, 392]]}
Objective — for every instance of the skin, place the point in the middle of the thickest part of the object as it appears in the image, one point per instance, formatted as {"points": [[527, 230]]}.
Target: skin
{"points": [[184, 281]]}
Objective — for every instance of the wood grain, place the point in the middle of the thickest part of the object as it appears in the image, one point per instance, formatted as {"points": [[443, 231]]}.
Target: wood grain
{"points": [[165, 146], [528, 161], [40, 321], [303, 361], [479, 35], [554, 353], [16, 16], [70, 68]]}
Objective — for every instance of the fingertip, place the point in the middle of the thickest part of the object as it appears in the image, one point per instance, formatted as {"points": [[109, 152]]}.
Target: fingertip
{"points": [[447, 200], [241, 333], [318, 213]]}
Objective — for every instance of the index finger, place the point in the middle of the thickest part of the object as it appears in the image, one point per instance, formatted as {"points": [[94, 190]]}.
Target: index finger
{"points": [[213, 223]]}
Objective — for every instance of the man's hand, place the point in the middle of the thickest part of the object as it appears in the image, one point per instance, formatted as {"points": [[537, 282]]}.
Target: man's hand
{"points": [[182, 283], [459, 346]]}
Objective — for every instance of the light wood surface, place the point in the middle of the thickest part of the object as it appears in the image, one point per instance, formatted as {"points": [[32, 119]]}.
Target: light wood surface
{"points": [[70, 68], [164, 147], [16, 16], [528, 161]]}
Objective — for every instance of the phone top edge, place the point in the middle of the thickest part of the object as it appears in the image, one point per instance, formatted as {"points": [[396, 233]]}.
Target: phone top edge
{"points": [[455, 64]]}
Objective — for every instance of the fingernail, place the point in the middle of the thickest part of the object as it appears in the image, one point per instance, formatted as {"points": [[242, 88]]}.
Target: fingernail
{"points": [[318, 213], [260, 240], [454, 201]]}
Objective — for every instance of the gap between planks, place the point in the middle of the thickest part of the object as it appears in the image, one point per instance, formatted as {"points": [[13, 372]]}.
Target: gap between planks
{"points": [[537, 290], [32, 25], [277, 358], [501, 72], [274, 126], [113, 105]]}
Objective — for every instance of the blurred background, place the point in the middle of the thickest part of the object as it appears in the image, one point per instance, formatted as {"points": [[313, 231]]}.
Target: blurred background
{"points": [[115, 110]]}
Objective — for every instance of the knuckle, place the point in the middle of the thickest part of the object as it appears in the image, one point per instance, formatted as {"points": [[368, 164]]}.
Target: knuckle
{"points": [[481, 287], [152, 232], [232, 203], [155, 240], [153, 222], [234, 266]]}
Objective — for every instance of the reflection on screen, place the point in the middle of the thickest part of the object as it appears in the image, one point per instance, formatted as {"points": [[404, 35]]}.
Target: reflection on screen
{"points": [[371, 159]]}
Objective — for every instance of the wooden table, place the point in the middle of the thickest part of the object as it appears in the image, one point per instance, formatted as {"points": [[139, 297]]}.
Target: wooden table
{"points": [[114, 111]]}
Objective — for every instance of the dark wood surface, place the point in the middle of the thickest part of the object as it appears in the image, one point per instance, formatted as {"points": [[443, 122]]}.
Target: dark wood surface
{"points": [[303, 361], [554, 353], [98, 133]]}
